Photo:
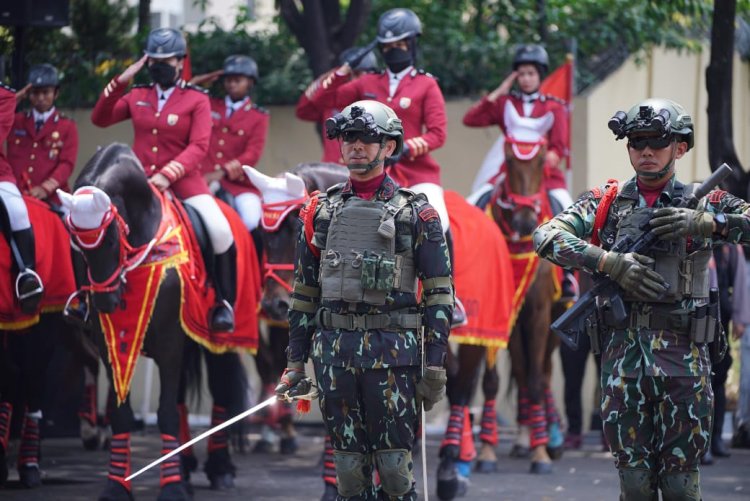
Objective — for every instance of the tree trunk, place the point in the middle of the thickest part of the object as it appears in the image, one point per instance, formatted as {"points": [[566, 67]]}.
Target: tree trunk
{"points": [[719, 86], [144, 16]]}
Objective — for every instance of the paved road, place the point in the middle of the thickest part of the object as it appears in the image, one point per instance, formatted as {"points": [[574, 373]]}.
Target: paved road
{"points": [[71, 474]]}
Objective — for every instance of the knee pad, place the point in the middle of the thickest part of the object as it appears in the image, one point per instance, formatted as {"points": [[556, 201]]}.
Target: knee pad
{"points": [[353, 472], [681, 486], [637, 484], [395, 469]]}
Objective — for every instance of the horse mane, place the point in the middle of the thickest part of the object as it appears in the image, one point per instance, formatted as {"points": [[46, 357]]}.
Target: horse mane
{"points": [[115, 169], [319, 176]]}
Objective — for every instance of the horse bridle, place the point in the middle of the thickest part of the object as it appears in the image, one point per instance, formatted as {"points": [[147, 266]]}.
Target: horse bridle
{"points": [[284, 208]]}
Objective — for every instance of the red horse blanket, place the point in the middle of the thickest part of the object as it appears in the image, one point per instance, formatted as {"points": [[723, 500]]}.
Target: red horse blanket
{"points": [[53, 264], [177, 248], [482, 274]]}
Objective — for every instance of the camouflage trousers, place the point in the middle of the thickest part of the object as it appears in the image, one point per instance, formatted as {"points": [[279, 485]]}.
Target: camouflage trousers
{"points": [[660, 424], [366, 410]]}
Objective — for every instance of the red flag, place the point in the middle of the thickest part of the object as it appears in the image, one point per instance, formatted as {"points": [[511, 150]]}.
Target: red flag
{"points": [[187, 70], [559, 83]]}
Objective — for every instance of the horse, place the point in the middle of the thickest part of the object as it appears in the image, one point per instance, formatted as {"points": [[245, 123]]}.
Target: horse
{"points": [[518, 203], [149, 289]]}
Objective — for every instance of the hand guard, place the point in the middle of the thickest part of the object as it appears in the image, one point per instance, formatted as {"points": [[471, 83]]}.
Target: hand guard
{"points": [[431, 388], [633, 273], [292, 376], [671, 223]]}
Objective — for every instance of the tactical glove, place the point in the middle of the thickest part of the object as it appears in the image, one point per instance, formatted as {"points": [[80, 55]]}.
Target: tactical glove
{"points": [[431, 388], [671, 223], [633, 273], [293, 374]]}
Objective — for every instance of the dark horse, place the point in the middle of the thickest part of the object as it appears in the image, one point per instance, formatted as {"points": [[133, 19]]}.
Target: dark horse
{"points": [[127, 218]]}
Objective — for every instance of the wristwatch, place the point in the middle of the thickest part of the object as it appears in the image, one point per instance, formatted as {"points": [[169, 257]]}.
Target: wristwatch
{"points": [[720, 220]]}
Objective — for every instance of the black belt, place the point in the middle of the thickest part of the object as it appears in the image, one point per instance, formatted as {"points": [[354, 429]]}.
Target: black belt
{"points": [[351, 321]]}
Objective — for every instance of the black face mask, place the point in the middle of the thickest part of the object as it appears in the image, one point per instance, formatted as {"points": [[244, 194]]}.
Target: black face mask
{"points": [[397, 59], [163, 74]]}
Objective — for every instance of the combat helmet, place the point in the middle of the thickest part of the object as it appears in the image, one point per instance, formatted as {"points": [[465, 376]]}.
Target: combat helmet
{"points": [[662, 116]]}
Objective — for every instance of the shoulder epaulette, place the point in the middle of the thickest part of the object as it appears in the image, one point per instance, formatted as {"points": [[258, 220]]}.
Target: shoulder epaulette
{"points": [[197, 88], [7, 87], [420, 71], [553, 98], [261, 109], [143, 86]]}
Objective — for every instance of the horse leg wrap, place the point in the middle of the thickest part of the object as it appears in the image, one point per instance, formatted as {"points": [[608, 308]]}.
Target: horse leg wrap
{"points": [[170, 469], [467, 451], [682, 486], [539, 434], [6, 413], [218, 440], [353, 473], [28, 454], [329, 468], [395, 469], [453, 432], [523, 415], [119, 459], [488, 431], [551, 410]]}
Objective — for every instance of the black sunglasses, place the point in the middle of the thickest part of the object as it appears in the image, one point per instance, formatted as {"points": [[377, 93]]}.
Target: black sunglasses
{"points": [[655, 143], [351, 136]]}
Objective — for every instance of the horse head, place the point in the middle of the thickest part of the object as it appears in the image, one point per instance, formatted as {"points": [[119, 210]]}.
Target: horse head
{"points": [[282, 199], [112, 215], [519, 192]]}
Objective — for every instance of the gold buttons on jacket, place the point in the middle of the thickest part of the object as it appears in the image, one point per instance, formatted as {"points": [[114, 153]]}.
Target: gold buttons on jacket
{"points": [[221, 142], [217, 167], [153, 167], [219, 155], [35, 144], [31, 169], [32, 156], [154, 131], [155, 149], [224, 130]]}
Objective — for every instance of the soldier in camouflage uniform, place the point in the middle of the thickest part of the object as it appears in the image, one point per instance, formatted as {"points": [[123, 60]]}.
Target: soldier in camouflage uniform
{"points": [[363, 247], [656, 387]]}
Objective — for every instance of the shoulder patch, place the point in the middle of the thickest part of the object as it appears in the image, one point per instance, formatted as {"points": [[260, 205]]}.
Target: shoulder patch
{"points": [[716, 196], [428, 214], [261, 109]]}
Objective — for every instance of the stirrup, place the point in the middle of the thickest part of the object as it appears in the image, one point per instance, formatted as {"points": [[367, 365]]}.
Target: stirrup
{"points": [[462, 319], [21, 276], [77, 316], [226, 305]]}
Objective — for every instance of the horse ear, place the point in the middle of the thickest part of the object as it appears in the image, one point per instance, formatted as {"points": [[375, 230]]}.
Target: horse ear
{"points": [[101, 200], [65, 198], [260, 180], [295, 185]]}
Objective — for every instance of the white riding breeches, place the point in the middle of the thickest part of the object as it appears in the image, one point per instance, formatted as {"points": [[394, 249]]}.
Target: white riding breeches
{"points": [[491, 164], [217, 225], [250, 208], [15, 205], [434, 194]]}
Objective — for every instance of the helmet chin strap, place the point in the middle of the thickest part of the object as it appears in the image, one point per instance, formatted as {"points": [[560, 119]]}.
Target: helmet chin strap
{"points": [[371, 165], [661, 173]]}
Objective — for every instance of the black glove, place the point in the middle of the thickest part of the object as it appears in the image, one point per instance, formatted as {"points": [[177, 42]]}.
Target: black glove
{"points": [[357, 56], [293, 374], [431, 388], [670, 223], [633, 273]]}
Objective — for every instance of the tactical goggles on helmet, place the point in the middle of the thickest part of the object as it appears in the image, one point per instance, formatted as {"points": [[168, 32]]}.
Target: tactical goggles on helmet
{"points": [[653, 142], [647, 120], [358, 121]]}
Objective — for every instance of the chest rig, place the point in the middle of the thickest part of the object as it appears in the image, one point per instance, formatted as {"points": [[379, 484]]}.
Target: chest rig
{"points": [[361, 262], [685, 272]]}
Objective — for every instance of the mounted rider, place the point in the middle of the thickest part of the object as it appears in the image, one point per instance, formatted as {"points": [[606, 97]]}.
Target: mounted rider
{"points": [[172, 125], [656, 388], [364, 246]]}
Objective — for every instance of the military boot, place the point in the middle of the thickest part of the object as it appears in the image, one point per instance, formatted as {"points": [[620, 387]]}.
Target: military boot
{"points": [[225, 283], [28, 285]]}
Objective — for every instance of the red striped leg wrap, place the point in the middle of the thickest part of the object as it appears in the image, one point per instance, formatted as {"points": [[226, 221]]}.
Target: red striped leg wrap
{"points": [[170, 469], [468, 451], [87, 410], [6, 412], [538, 426], [455, 424], [488, 432], [523, 415], [551, 410], [220, 439], [329, 469], [28, 454], [182, 410], [119, 459]]}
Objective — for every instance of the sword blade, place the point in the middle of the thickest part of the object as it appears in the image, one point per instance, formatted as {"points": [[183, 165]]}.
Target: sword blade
{"points": [[205, 434]]}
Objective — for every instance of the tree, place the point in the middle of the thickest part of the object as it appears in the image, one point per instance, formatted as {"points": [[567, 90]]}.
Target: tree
{"points": [[144, 16]]}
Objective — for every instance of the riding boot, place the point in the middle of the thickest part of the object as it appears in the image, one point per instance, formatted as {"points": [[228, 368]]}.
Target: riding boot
{"points": [[459, 312], [225, 283], [28, 285]]}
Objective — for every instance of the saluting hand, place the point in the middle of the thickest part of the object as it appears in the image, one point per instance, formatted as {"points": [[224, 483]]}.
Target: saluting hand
{"points": [[21, 94], [160, 181], [206, 78], [132, 70], [503, 88]]}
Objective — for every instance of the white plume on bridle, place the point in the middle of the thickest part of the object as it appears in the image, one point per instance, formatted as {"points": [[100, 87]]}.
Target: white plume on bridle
{"points": [[276, 189], [527, 130], [87, 206]]}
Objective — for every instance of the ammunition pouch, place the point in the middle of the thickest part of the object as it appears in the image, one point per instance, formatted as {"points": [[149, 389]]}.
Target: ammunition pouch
{"points": [[394, 320]]}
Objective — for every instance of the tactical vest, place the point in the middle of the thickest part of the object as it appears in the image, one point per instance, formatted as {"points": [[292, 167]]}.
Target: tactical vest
{"points": [[359, 263], [686, 274]]}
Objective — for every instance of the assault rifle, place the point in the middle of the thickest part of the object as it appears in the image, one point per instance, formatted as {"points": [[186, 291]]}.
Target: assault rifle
{"points": [[582, 316]]}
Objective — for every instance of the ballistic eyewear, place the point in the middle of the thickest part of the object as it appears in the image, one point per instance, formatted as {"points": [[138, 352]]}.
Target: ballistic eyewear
{"points": [[655, 143], [367, 137]]}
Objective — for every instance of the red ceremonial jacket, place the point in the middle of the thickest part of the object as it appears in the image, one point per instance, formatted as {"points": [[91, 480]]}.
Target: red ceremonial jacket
{"points": [[45, 158], [307, 110], [240, 137], [7, 110], [172, 142], [419, 104]]}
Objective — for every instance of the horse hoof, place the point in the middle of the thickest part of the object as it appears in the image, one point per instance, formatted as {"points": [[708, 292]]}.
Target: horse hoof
{"points": [[189, 462], [115, 491], [540, 468], [520, 451], [262, 447], [221, 482], [486, 466], [174, 491], [555, 453], [30, 476], [288, 445], [447, 480], [329, 493]]}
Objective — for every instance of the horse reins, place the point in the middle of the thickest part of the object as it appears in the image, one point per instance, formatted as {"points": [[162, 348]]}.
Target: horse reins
{"points": [[271, 224]]}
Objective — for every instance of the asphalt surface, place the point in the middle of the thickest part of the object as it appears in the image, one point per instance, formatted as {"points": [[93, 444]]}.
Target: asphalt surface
{"points": [[72, 474]]}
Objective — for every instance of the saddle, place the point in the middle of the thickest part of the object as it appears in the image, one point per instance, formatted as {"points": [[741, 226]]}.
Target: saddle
{"points": [[201, 235]]}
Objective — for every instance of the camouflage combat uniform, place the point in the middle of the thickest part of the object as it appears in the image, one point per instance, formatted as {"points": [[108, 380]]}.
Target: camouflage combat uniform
{"points": [[656, 388], [367, 377]]}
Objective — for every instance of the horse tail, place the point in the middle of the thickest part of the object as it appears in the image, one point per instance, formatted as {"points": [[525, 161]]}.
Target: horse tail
{"points": [[192, 373]]}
